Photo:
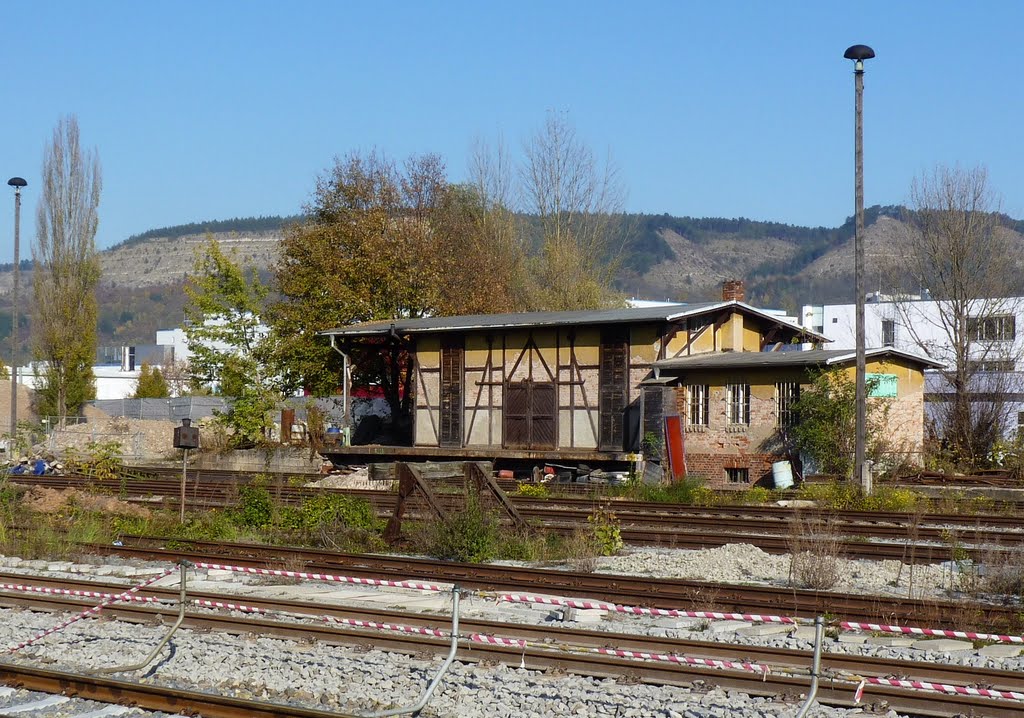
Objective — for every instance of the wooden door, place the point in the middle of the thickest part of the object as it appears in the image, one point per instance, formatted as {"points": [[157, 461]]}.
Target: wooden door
{"points": [[451, 392], [530, 415], [613, 388]]}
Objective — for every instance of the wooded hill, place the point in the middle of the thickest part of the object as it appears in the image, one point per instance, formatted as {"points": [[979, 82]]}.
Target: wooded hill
{"points": [[664, 257]]}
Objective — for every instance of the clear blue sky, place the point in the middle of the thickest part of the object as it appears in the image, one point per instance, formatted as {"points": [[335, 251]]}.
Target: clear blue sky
{"points": [[210, 110]]}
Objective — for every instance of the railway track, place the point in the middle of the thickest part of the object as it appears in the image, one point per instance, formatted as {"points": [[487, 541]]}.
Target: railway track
{"points": [[899, 536], [790, 680], [622, 589]]}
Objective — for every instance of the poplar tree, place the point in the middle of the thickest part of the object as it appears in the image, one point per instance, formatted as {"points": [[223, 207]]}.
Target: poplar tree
{"points": [[66, 273]]}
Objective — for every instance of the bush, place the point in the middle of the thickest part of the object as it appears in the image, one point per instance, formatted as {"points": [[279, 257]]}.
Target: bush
{"points": [[470, 535], [255, 508]]}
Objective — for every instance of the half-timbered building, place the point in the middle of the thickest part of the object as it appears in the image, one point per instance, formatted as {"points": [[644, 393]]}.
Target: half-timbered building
{"points": [[557, 386]]}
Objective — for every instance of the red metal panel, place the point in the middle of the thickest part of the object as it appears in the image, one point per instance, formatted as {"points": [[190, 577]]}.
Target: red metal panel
{"points": [[676, 447]]}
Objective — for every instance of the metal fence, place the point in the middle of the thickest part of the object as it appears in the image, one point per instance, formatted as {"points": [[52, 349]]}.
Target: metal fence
{"points": [[174, 410]]}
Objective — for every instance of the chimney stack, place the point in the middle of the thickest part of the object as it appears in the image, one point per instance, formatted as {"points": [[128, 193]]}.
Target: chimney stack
{"points": [[732, 289]]}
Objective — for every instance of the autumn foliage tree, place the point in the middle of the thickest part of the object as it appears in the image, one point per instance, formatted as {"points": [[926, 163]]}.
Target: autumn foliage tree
{"points": [[382, 241]]}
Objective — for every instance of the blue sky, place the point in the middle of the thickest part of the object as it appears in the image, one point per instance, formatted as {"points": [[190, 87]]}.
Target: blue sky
{"points": [[209, 110]]}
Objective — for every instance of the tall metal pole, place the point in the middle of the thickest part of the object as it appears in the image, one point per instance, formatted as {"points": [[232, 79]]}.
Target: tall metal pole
{"points": [[17, 183], [861, 391], [859, 53]]}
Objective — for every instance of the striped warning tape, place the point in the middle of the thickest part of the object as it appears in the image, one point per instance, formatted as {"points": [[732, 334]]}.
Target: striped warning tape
{"points": [[417, 585], [355, 623], [643, 611], [91, 611], [26, 588], [970, 635], [937, 687]]}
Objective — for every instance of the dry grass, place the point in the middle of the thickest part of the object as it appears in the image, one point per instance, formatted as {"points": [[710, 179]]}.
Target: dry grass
{"points": [[581, 550], [815, 549]]}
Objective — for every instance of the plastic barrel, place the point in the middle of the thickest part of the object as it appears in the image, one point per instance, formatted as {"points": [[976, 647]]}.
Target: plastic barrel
{"points": [[782, 474]]}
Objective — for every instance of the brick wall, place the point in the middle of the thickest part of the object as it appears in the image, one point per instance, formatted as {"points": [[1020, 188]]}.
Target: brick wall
{"points": [[712, 449]]}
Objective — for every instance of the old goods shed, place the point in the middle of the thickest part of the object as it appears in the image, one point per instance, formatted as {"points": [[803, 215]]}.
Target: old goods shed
{"points": [[556, 386], [737, 407]]}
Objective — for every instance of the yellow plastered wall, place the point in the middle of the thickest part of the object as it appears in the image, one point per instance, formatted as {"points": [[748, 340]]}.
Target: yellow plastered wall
{"points": [[428, 392]]}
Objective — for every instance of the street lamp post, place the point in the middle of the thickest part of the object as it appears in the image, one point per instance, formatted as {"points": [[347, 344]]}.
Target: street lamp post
{"points": [[859, 53], [17, 183]]}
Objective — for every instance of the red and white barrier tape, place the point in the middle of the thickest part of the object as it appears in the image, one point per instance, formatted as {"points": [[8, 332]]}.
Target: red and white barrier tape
{"points": [[25, 588], [401, 628], [91, 611], [641, 611], [417, 585], [622, 653], [882, 628], [937, 687], [355, 623]]}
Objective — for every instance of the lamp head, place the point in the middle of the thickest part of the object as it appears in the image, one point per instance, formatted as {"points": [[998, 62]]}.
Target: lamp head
{"points": [[858, 53], [17, 182]]}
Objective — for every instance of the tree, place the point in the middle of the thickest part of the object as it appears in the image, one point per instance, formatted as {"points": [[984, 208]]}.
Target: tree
{"points": [[225, 339], [825, 430], [151, 383], [578, 202], [956, 248], [66, 272], [384, 242]]}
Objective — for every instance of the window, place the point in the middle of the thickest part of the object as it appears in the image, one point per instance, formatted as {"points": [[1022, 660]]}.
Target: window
{"points": [[998, 328], [991, 365], [888, 333], [737, 397], [697, 404], [787, 393], [738, 476], [1020, 424]]}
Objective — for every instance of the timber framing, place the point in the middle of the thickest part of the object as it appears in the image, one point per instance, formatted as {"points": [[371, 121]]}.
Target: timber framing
{"points": [[553, 386]]}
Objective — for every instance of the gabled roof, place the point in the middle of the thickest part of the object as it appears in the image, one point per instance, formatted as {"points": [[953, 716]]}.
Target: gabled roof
{"points": [[630, 315], [809, 358]]}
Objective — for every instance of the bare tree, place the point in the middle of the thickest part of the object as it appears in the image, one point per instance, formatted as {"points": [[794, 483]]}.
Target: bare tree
{"points": [[66, 272], [956, 247], [578, 201]]}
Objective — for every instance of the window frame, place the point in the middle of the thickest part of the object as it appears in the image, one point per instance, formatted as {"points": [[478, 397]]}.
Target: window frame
{"points": [[992, 328], [737, 475], [888, 332], [697, 402], [737, 404], [787, 393]]}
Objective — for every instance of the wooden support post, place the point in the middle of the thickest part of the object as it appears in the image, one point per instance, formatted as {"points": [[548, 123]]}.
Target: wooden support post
{"points": [[410, 482], [481, 480]]}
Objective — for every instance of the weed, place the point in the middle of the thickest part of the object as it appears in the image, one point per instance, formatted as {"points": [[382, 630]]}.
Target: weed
{"points": [[815, 549], [606, 531], [470, 535], [533, 491]]}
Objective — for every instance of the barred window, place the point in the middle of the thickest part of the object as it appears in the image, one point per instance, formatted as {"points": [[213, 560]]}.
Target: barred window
{"points": [[738, 403], [738, 476], [787, 394], [697, 404]]}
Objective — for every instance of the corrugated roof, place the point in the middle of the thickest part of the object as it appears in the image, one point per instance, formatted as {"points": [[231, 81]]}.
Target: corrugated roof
{"points": [[811, 357], [546, 319]]}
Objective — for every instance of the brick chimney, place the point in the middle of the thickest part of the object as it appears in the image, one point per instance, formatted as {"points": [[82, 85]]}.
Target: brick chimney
{"points": [[732, 289]]}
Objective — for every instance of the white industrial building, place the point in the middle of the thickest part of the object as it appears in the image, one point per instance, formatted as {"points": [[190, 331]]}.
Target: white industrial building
{"points": [[917, 325]]}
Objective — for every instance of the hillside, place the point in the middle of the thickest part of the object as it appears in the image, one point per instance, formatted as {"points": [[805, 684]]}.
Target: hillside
{"points": [[666, 257]]}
